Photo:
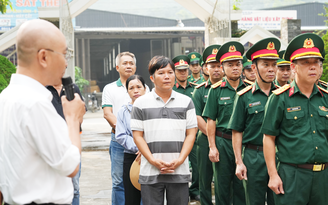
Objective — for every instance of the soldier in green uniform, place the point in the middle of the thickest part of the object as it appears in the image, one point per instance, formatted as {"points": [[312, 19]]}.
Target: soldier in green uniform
{"points": [[199, 98], [184, 87], [319, 82], [295, 121], [218, 110], [248, 72], [246, 121], [283, 72], [205, 71], [195, 68]]}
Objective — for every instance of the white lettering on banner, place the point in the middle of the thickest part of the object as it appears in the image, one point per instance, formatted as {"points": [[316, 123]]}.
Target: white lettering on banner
{"points": [[267, 19]]}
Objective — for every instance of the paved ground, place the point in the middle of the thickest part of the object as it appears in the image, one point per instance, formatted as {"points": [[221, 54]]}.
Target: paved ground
{"points": [[95, 181]]}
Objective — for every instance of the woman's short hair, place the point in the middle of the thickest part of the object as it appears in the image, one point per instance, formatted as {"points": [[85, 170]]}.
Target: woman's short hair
{"points": [[158, 62], [133, 77]]}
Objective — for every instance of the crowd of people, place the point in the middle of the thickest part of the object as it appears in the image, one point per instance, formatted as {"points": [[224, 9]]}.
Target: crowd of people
{"points": [[252, 123]]}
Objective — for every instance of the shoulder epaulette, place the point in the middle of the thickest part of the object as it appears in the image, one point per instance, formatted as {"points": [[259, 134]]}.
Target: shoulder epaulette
{"points": [[188, 76], [277, 86], [322, 89], [217, 84], [323, 82], [248, 82], [281, 89], [245, 90], [194, 84], [200, 85], [195, 80]]}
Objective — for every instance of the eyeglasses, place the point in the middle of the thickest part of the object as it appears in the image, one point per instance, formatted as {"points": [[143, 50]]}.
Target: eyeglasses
{"points": [[67, 56]]}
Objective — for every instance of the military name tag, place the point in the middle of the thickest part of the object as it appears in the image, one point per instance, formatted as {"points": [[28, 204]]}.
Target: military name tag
{"points": [[225, 98], [205, 96], [292, 109], [323, 108], [255, 104]]}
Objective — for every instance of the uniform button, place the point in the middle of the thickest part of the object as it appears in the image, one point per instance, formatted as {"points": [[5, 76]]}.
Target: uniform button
{"points": [[326, 115], [225, 103], [256, 111], [313, 131], [295, 118], [311, 115], [316, 147]]}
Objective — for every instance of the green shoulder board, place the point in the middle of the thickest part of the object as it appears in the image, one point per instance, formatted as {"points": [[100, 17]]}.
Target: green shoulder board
{"points": [[322, 89], [217, 84], [200, 85], [281, 89]]}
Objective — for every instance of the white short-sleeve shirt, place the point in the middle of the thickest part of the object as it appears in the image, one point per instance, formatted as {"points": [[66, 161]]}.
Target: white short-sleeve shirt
{"points": [[36, 154]]}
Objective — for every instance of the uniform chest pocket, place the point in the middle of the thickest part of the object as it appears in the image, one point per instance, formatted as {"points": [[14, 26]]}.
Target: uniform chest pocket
{"points": [[226, 106], [295, 119], [257, 113], [323, 120]]}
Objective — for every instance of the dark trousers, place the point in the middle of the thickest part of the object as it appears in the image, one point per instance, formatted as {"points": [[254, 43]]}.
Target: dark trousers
{"points": [[132, 195], [176, 193], [194, 187]]}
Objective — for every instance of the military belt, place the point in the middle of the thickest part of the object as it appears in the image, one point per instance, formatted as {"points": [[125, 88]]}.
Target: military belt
{"points": [[313, 167], [223, 135], [254, 147]]}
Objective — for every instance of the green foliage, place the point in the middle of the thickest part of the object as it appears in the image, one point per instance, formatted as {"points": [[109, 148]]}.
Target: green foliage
{"points": [[236, 4], [6, 69], [237, 33], [79, 80], [325, 40], [4, 4]]}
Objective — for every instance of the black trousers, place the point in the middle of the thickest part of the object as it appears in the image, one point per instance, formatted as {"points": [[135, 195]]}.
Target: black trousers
{"points": [[132, 195]]}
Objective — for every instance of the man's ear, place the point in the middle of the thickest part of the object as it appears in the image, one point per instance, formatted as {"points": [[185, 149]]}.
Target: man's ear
{"points": [[117, 67], [253, 66], [152, 78], [43, 58], [293, 67]]}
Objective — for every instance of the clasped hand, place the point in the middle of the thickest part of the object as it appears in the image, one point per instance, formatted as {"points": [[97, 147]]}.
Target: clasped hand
{"points": [[167, 167]]}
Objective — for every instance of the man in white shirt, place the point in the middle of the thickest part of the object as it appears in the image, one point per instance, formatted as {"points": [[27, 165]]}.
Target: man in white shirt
{"points": [[39, 151]]}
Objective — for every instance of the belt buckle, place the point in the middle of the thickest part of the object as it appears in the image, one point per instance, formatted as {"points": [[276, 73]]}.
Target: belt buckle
{"points": [[318, 167]]}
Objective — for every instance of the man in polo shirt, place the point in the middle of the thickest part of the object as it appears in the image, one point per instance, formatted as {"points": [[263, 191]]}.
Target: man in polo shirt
{"points": [[114, 97], [164, 127]]}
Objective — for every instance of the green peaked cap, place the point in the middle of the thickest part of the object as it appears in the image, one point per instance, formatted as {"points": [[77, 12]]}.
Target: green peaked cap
{"points": [[194, 57], [304, 46], [181, 62], [246, 62], [266, 49], [231, 50], [282, 61], [209, 54], [201, 62]]}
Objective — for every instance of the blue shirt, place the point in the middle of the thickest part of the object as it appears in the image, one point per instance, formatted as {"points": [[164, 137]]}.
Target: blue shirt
{"points": [[123, 133]]}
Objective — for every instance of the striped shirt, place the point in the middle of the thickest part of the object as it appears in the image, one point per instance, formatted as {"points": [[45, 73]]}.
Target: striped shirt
{"points": [[164, 128]]}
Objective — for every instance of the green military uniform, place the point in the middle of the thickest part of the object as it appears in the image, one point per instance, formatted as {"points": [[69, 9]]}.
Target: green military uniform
{"points": [[182, 62], [205, 167], [247, 118], [300, 125], [219, 107], [195, 59], [322, 84]]}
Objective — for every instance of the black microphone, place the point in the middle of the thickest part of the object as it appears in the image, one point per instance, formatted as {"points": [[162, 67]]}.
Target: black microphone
{"points": [[68, 88]]}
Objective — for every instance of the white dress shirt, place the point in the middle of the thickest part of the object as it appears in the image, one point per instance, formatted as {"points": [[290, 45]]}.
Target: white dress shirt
{"points": [[36, 154]]}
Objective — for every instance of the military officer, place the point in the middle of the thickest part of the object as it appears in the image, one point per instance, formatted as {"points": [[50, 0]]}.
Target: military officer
{"points": [[247, 118], [218, 110], [248, 72], [199, 98], [283, 72], [295, 121], [182, 86], [195, 68]]}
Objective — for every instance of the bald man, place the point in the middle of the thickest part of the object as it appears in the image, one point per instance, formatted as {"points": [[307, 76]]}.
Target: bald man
{"points": [[39, 151]]}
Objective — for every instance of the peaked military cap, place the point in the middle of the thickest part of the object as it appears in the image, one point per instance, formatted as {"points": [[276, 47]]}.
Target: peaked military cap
{"points": [[201, 62], [246, 63], [194, 58], [282, 61], [181, 62], [264, 49], [229, 51], [305, 45], [209, 54]]}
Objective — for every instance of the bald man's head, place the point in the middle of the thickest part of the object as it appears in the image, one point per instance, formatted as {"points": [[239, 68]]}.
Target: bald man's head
{"points": [[34, 35]]}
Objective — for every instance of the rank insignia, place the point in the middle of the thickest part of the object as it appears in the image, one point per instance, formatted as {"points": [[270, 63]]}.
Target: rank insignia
{"points": [[282, 89], [292, 109], [308, 43], [217, 84], [323, 90], [223, 84], [215, 51], [245, 90], [270, 46], [232, 49]]}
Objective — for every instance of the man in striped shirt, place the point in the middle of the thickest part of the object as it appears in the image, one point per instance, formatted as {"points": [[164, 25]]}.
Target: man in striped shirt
{"points": [[164, 127]]}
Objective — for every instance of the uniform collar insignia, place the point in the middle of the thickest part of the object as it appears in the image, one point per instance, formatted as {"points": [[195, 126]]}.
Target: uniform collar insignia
{"points": [[223, 84], [291, 91]]}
